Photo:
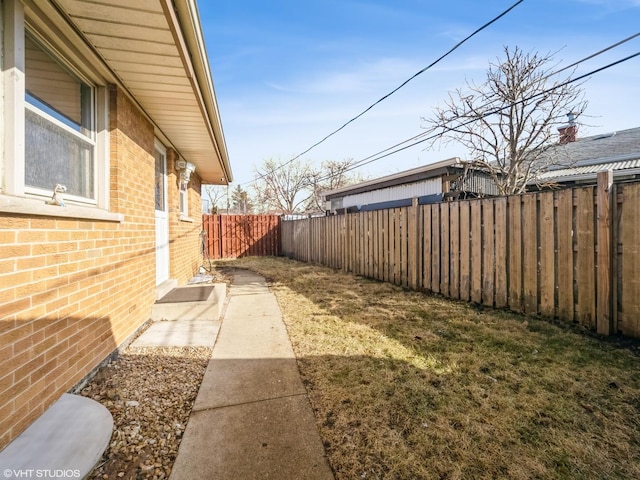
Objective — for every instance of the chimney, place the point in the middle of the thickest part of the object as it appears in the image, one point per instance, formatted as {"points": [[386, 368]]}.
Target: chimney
{"points": [[569, 132]]}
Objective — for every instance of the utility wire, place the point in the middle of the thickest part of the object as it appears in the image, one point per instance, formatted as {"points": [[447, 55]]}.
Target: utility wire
{"points": [[451, 50], [381, 154], [574, 64]]}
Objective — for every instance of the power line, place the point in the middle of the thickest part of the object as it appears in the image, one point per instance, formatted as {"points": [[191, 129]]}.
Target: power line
{"points": [[451, 50], [552, 74], [381, 154]]}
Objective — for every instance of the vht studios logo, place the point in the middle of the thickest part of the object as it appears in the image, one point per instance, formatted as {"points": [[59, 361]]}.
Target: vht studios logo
{"points": [[40, 473]]}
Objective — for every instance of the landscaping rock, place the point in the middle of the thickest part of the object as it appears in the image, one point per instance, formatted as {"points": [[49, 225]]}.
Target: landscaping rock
{"points": [[160, 385]]}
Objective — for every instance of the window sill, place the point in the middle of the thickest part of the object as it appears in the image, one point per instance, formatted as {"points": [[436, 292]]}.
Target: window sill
{"points": [[182, 218], [32, 206]]}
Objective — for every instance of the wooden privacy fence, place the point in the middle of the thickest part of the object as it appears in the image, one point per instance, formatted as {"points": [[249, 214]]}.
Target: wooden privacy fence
{"points": [[571, 254], [233, 236]]}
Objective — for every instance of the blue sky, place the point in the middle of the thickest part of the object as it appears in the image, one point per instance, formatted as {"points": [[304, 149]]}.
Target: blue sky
{"points": [[287, 73]]}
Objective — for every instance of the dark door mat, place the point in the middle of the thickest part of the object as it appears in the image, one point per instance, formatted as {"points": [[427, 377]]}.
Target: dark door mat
{"points": [[187, 294]]}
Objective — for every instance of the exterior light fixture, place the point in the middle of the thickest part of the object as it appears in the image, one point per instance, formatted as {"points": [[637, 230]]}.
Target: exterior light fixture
{"points": [[186, 169]]}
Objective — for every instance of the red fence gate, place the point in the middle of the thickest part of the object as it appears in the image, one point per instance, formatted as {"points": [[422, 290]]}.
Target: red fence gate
{"points": [[233, 236]]}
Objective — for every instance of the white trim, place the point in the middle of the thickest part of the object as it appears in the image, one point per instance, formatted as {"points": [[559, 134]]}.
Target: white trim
{"points": [[13, 81], [32, 206], [59, 124], [183, 197], [163, 265], [102, 150]]}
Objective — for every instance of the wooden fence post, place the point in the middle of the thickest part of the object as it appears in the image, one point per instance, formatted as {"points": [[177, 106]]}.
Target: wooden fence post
{"points": [[605, 280]]}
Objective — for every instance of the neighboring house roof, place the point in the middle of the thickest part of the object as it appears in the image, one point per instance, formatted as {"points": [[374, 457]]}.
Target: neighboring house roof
{"points": [[584, 158], [155, 49], [408, 176]]}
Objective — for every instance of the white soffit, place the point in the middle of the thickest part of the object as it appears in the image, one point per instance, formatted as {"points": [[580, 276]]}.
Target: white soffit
{"points": [[145, 46]]}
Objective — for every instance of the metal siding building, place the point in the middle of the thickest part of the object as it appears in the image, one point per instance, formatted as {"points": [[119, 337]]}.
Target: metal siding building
{"points": [[429, 184], [400, 192]]}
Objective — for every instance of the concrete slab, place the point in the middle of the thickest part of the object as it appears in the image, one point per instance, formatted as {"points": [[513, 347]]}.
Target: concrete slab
{"points": [[69, 437], [274, 439], [252, 418], [253, 329], [179, 333], [233, 382]]}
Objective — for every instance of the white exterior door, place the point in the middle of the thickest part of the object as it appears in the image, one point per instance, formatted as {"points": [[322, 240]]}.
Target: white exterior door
{"points": [[162, 221]]}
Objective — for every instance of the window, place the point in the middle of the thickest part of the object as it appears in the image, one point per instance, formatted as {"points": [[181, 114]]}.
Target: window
{"points": [[160, 187], [54, 118], [184, 197], [59, 127]]}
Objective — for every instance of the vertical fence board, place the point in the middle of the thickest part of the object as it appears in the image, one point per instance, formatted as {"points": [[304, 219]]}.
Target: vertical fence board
{"points": [[435, 248], [585, 258], [564, 223], [412, 253], [397, 250], [547, 255], [407, 260], [630, 239], [465, 251], [500, 217], [426, 248], [360, 232], [374, 244], [515, 253], [488, 253], [369, 248], [530, 253], [354, 241], [476, 252], [454, 250], [445, 248], [384, 274], [402, 246], [604, 278], [419, 242], [380, 254]]}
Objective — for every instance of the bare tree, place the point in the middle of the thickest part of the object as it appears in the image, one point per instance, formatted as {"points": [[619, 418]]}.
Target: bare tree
{"points": [[215, 194], [332, 174], [509, 122], [282, 188]]}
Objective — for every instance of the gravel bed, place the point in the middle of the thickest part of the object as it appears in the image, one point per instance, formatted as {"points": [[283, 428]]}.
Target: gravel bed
{"points": [[150, 392]]}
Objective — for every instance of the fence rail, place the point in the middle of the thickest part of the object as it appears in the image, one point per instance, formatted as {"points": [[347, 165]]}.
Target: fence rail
{"points": [[234, 236], [571, 254]]}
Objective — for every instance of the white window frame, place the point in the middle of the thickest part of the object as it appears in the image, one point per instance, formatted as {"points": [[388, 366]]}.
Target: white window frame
{"points": [[15, 196], [159, 147], [183, 199]]}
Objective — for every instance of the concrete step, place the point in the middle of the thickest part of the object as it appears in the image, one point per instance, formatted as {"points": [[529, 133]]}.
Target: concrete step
{"points": [[191, 302], [165, 287]]}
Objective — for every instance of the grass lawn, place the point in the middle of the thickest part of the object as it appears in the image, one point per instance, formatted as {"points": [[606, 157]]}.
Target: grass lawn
{"points": [[406, 385]]}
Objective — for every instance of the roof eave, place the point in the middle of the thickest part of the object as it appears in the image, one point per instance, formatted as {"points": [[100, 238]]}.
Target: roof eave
{"points": [[188, 22]]}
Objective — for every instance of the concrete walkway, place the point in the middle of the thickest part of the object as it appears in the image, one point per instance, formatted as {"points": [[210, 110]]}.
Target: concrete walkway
{"points": [[252, 418]]}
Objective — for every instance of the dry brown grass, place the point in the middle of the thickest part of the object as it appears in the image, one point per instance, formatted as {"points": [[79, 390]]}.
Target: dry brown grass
{"points": [[410, 386]]}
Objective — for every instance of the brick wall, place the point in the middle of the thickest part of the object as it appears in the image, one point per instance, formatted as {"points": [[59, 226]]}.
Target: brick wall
{"points": [[184, 234], [72, 290]]}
